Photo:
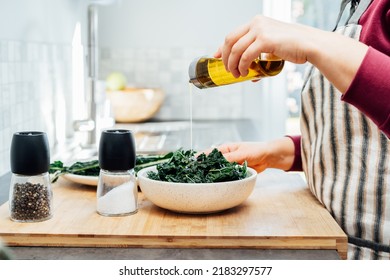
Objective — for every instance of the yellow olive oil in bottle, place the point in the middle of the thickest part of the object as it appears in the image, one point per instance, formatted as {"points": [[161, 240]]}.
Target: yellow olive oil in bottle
{"points": [[207, 72]]}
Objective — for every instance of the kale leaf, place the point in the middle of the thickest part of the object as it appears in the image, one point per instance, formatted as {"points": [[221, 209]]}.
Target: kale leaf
{"points": [[184, 167], [88, 168], [143, 161]]}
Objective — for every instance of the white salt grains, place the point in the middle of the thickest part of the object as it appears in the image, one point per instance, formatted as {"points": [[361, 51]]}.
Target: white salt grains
{"points": [[121, 200]]}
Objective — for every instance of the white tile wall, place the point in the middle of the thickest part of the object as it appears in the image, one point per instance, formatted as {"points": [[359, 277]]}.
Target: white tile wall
{"points": [[168, 69], [31, 76]]}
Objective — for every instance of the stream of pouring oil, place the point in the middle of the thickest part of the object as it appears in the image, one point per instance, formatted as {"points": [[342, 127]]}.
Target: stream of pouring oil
{"points": [[190, 91]]}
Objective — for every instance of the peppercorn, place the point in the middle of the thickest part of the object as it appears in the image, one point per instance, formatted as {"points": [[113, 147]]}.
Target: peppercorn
{"points": [[30, 202]]}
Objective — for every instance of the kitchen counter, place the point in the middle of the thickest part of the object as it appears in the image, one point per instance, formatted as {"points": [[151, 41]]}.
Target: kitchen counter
{"points": [[276, 193], [280, 220]]}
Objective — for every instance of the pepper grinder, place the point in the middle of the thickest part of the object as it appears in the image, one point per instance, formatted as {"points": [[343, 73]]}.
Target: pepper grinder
{"points": [[117, 192], [30, 196]]}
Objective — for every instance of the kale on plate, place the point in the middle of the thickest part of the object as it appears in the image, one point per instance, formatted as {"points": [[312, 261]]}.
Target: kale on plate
{"points": [[184, 167], [91, 168], [88, 168]]}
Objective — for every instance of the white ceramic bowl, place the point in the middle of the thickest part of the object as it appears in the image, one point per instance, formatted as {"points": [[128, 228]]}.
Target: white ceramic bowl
{"points": [[196, 198], [135, 104]]}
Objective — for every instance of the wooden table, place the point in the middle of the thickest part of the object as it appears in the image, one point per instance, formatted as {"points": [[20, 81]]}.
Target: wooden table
{"points": [[281, 213]]}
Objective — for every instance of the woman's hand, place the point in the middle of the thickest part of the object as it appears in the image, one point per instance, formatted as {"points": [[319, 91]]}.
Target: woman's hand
{"points": [[337, 57], [261, 35], [260, 155]]}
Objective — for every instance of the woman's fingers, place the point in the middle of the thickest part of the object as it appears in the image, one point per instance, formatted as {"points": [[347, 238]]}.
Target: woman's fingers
{"points": [[236, 55], [234, 156], [218, 53], [230, 41], [250, 53]]}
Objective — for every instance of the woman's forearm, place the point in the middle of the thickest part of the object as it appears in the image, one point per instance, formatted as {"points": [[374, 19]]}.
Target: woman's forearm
{"points": [[281, 153], [337, 57]]}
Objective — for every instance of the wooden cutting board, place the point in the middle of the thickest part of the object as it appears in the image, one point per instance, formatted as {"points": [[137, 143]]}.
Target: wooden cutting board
{"points": [[281, 213]]}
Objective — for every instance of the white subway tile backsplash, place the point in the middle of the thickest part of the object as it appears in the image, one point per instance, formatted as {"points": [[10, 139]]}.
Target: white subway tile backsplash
{"points": [[18, 72], [6, 94], [17, 51], [118, 54], [4, 73], [1, 117], [11, 73], [175, 65], [163, 54], [11, 51], [13, 95], [3, 51], [32, 75], [66, 54], [45, 54], [26, 69], [32, 52], [16, 116], [152, 55], [36, 67]]}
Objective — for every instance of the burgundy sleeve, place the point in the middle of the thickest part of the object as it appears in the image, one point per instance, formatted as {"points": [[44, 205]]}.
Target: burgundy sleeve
{"points": [[370, 89], [297, 164]]}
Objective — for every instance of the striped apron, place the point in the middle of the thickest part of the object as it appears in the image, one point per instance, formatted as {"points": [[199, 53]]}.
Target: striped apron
{"points": [[346, 160]]}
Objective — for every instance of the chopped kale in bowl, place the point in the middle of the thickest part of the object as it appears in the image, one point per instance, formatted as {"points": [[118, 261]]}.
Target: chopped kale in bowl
{"points": [[184, 167]]}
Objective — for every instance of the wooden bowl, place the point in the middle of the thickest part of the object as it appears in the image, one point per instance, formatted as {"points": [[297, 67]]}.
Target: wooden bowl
{"points": [[135, 104]]}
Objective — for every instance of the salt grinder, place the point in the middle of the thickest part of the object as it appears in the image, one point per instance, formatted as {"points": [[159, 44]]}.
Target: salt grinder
{"points": [[117, 192], [30, 196]]}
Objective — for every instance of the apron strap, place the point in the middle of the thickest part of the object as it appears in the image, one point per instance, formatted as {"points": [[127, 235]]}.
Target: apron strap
{"points": [[361, 8], [358, 7], [343, 4]]}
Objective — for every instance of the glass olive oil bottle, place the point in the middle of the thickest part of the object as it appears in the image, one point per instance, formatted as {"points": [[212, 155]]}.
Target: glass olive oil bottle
{"points": [[210, 72]]}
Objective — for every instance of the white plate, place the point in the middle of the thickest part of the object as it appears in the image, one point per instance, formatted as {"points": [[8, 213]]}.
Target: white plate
{"points": [[81, 179]]}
